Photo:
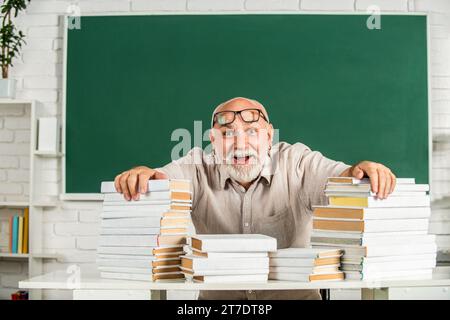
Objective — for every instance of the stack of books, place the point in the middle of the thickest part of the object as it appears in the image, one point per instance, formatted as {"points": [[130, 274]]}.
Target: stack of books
{"points": [[440, 226], [19, 233], [382, 239], [144, 239], [225, 258], [306, 264]]}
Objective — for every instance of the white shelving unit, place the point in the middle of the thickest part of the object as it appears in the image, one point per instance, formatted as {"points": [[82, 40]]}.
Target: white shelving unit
{"points": [[37, 201]]}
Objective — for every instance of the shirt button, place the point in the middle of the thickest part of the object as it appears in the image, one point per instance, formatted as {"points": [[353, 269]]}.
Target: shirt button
{"points": [[246, 224]]}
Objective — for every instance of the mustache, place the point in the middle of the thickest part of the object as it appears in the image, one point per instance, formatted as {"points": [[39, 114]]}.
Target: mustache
{"points": [[242, 153]]}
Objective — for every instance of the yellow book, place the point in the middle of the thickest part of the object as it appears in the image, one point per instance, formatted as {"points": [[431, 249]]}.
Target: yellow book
{"points": [[20, 236], [26, 229]]}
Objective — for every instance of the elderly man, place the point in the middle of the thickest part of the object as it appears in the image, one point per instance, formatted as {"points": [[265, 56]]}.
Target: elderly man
{"points": [[248, 185]]}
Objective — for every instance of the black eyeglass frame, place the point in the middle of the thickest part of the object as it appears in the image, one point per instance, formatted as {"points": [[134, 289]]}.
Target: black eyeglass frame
{"points": [[260, 113]]}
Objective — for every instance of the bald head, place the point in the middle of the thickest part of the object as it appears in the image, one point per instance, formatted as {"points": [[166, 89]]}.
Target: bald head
{"points": [[237, 104]]}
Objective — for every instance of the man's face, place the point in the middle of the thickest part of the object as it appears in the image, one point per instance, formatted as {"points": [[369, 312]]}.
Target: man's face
{"points": [[240, 145]]}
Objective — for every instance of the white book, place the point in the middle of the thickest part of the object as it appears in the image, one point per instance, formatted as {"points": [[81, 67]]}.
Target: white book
{"points": [[147, 271], [248, 278], [393, 266], [200, 263], [128, 240], [130, 214], [224, 272], [306, 253], [234, 243], [337, 276], [373, 225], [366, 187], [149, 196], [441, 227], [140, 251], [157, 208], [392, 250], [345, 243], [374, 202], [125, 276], [129, 231], [233, 254], [148, 222], [125, 263], [126, 257], [419, 274], [362, 235], [382, 213], [291, 262], [351, 180], [348, 259], [374, 194], [152, 185], [289, 276], [307, 270]]}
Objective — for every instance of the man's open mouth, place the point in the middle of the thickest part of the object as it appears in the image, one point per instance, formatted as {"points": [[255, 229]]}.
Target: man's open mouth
{"points": [[242, 160]]}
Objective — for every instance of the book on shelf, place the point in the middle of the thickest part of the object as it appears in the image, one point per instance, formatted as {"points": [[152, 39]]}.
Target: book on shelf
{"points": [[245, 278], [18, 237], [353, 181]]}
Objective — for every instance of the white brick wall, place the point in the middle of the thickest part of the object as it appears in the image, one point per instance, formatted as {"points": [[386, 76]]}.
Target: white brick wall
{"points": [[71, 229]]}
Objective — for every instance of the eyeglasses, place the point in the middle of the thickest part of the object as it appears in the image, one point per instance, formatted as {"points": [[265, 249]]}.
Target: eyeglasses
{"points": [[247, 115]]}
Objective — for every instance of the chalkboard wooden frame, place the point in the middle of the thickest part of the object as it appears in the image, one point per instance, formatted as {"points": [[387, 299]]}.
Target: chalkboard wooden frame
{"points": [[98, 196]]}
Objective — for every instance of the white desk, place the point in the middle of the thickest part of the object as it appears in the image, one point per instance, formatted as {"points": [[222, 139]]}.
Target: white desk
{"points": [[92, 286]]}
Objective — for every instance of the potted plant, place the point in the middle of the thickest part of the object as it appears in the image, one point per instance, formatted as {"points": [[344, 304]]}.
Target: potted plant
{"points": [[11, 41]]}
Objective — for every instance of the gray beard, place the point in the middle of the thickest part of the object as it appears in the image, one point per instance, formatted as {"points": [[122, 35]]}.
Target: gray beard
{"points": [[244, 174]]}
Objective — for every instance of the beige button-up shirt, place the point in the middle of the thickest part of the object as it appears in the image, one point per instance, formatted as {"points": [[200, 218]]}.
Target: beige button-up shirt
{"points": [[278, 203]]}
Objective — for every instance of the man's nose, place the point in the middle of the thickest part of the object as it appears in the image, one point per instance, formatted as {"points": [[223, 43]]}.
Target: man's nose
{"points": [[240, 140]]}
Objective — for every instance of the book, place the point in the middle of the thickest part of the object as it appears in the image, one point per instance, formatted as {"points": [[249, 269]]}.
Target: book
{"points": [[200, 263], [148, 222], [182, 195], [124, 263], [390, 266], [332, 268], [152, 185], [366, 188], [417, 274], [248, 278], [374, 202], [127, 231], [215, 272], [229, 254], [20, 236], [26, 230], [296, 262], [351, 180], [371, 213], [359, 259], [140, 240], [15, 234], [108, 249], [337, 276], [307, 253], [391, 250], [390, 225], [11, 231], [125, 276], [369, 241], [234, 243]]}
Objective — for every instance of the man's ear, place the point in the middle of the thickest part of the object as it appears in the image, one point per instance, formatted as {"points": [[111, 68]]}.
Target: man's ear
{"points": [[270, 134]]}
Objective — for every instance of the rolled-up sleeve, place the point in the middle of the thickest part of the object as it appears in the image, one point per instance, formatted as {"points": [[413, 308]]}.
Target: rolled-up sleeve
{"points": [[313, 169]]}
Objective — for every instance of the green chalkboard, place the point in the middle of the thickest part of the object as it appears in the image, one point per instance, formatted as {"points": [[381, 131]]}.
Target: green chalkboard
{"points": [[326, 80]]}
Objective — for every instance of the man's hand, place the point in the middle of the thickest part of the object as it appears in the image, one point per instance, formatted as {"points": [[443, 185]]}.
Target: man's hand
{"points": [[132, 181], [382, 180]]}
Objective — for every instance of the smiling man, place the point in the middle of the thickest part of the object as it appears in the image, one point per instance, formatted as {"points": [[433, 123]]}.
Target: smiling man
{"points": [[248, 185]]}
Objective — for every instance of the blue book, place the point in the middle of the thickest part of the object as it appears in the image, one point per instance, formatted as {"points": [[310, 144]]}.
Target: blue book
{"points": [[15, 238]]}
